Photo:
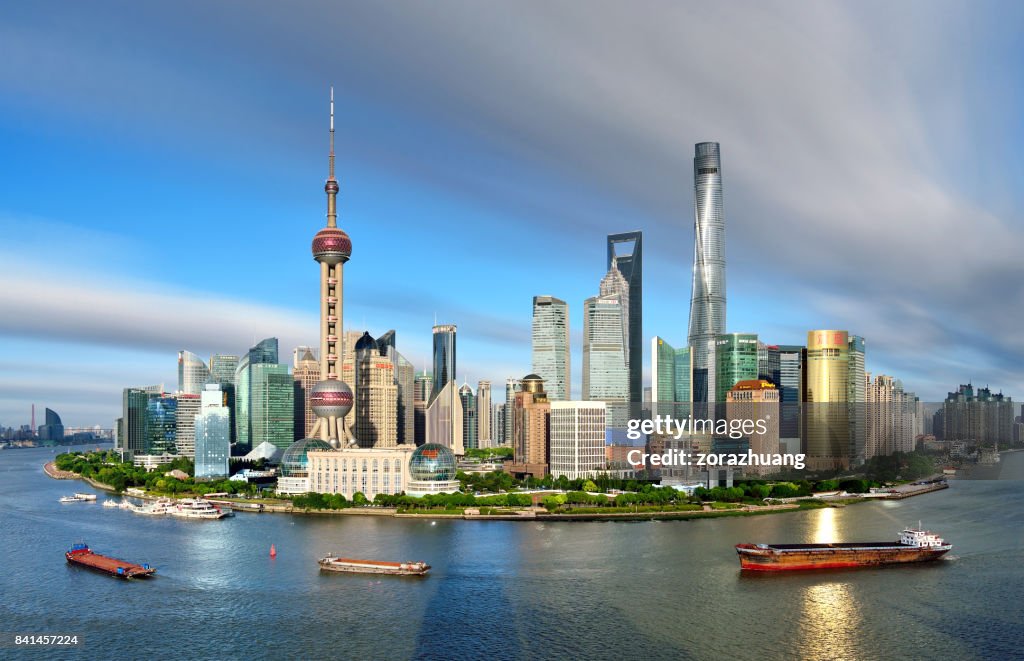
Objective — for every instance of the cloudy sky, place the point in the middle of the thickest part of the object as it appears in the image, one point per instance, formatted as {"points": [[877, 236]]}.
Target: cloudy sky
{"points": [[163, 166]]}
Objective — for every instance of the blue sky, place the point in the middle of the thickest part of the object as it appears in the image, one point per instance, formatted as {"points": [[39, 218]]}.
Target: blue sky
{"points": [[163, 169]]}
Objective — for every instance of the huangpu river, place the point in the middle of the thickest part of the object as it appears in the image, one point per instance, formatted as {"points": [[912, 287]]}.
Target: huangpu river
{"points": [[509, 590]]}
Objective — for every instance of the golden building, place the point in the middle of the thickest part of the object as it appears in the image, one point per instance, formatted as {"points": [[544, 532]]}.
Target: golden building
{"points": [[826, 410]]}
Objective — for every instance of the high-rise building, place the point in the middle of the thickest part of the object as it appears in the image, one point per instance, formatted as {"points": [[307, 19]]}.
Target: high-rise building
{"points": [[187, 407], [161, 424], [498, 426], [768, 365], [483, 401], [349, 373], [470, 419], [756, 401], [52, 428], [512, 386], [212, 425], [978, 417], [133, 434], [625, 254], [192, 373], [605, 347], [421, 396], [222, 372], [707, 300], [551, 345], [735, 361], [577, 439], [376, 395], [684, 373], [271, 405], [306, 374], [791, 365], [530, 419], [663, 377], [826, 392], [855, 397], [263, 353], [331, 398], [405, 376], [444, 412]]}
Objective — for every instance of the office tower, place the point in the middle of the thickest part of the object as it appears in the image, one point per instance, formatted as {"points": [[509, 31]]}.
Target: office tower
{"points": [[222, 369], [483, 401], [271, 405], [577, 439], [349, 373], [187, 406], [625, 254], [470, 431], [826, 410], [161, 424], [768, 363], [134, 404], [212, 425], [52, 428], [663, 377], [263, 353], [331, 398], [192, 373], [735, 361], [530, 413], [707, 300], [551, 345], [791, 365], [306, 374], [421, 396], [498, 426], [855, 382], [512, 386], [376, 395], [756, 401], [605, 347], [405, 376], [683, 373], [444, 412]]}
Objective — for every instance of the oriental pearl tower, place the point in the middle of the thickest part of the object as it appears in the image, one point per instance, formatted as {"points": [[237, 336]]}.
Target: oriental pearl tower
{"points": [[331, 398]]}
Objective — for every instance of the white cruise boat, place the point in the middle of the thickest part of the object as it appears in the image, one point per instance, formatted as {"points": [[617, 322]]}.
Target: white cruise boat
{"points": [[85, 496], [197, 508], [158, 507]]}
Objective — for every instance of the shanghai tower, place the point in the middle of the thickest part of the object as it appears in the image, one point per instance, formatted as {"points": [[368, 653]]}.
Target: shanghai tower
{"points": [[707, 298]]}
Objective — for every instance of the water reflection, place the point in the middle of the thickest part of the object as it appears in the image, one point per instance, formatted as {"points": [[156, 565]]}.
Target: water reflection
{"points": [[830, 622], [825, 527]]}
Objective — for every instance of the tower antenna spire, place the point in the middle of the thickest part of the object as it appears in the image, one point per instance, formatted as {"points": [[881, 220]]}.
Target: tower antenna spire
{"points": [[331, 173]]}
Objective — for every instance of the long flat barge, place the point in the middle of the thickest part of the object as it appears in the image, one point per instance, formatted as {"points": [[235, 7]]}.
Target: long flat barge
{"points": [[82, 555], [353, 566], [914, 545]]}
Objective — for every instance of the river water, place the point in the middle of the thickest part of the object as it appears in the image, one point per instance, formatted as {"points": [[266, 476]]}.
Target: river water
{"points": [[509, 590]]}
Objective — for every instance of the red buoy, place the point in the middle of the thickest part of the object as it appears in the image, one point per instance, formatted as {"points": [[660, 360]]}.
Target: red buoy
{"points": [[273, 551]]}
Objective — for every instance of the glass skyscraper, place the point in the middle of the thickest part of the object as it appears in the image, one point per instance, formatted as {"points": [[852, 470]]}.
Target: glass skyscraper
{"points": [[551, 345], [213, 435], [470, 418], [663, 377], [249, 433], [271, 405], [826, 393], [625, 253], [735, 361], [133, 434], [192, 373], [791, 361], [707, 300], [444, 412], [444, 358], [855, 396], [605, 353], [161, 424]]}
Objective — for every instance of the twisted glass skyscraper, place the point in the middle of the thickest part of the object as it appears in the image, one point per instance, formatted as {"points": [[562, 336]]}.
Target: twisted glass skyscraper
{"points": [[707, 300]]}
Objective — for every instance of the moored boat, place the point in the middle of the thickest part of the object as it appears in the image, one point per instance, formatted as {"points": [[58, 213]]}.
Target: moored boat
{"points": [[353, 566], [914, 545], [85, 496], [80, 554], [197, 508]]}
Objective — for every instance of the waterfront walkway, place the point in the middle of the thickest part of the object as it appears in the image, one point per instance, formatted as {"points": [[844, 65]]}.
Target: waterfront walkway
{"points": [[57, 474]]}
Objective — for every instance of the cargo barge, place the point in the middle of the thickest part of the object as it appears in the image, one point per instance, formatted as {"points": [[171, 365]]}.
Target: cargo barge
{"points": [[82, 555], [914, 545], [349, 565]]}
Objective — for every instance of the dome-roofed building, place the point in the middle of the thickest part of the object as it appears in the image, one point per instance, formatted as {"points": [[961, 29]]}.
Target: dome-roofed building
{"points": [[295, 465], [432, 469]]}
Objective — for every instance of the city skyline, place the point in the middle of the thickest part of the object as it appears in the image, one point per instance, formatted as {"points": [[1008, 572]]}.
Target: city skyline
{"points": [[919, 320]]}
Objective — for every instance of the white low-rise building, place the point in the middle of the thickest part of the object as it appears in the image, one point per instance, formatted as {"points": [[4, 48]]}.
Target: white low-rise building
{"points": [[577, 439], [369, 471]]}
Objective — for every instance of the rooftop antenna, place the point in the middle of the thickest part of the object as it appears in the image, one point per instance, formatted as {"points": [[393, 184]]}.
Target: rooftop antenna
{"points": [[331, 169]]}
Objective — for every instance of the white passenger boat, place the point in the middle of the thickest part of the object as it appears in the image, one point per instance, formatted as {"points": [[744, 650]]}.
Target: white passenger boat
{"points": [[85, 496], [158, 507], [197, 508]]}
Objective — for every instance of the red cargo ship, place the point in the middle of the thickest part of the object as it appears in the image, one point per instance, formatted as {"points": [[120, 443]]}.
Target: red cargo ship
{"points": [[80, 554], [914, 545]]}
